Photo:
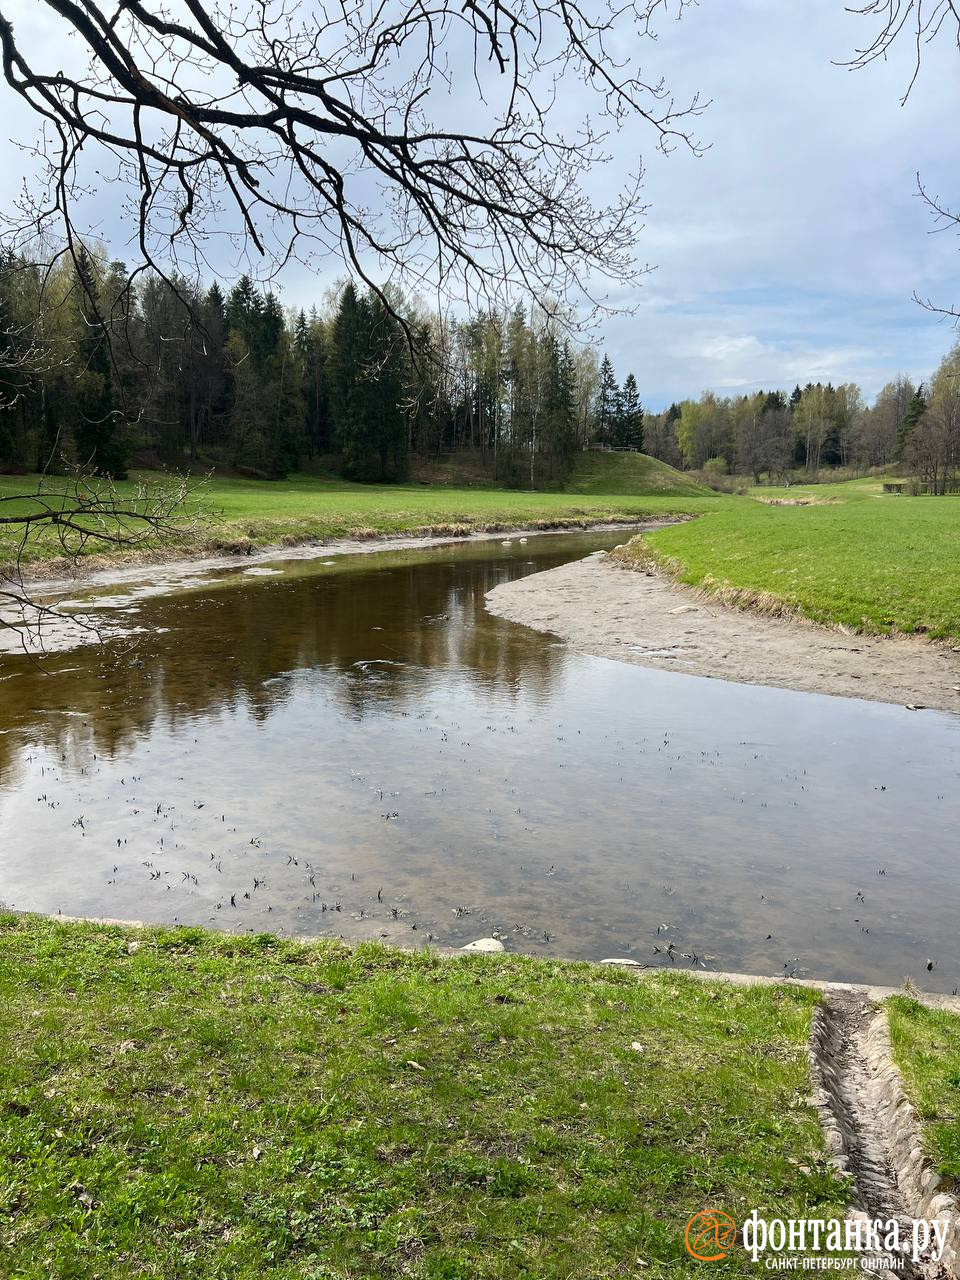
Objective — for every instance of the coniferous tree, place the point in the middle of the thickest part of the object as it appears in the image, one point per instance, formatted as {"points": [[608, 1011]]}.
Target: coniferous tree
{"points": [[630, 424], [607, 393], [97, 432], [93, 365], [911, 419], [559, 422], [347, 347], [19, 360], [310, 346]]}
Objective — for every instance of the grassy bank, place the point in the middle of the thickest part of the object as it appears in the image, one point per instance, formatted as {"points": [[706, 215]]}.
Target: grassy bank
{"points": [[880, 563], [926, 1048], [600, 473], [182, 1104], [263, 512], [593, 472]]}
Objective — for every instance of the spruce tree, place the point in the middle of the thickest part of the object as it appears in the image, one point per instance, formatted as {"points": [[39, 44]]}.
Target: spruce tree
{"points": [[908, 424], [386, 427], [607, 393], [630, 426], [347, 347], [308, 340], [243, 311], [558, 427], [97, 432]]}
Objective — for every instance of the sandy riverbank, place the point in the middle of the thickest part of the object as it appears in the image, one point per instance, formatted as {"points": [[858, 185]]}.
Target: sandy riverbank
{"points": [[51, 595], [602, 608], [165, 565]]}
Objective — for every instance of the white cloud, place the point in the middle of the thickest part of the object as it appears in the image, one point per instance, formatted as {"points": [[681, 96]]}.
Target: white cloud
{"points": [[791, 248]]}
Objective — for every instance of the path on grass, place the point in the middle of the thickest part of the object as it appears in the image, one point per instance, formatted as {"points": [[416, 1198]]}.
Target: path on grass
{"points": [[602, 608], [871, 1128]]}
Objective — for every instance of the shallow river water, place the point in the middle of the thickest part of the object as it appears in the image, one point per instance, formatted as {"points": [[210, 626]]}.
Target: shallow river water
{"points": [[355, 746]]}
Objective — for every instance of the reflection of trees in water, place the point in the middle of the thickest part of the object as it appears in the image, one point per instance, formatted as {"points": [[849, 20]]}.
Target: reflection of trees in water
{"points": [[217, 653]]}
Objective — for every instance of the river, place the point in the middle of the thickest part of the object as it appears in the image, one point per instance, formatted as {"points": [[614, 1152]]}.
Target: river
{"points": [[352, 745]]}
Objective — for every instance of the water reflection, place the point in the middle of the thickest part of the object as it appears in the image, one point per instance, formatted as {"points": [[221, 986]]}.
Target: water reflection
{"points": [[360, 748], [234, 641]]}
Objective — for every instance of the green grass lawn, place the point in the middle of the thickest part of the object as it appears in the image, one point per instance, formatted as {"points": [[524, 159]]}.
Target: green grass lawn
{"points": [[926, 1048], [304, 507], [183, 1104], [858, 557], [603, 473], [881, 564], [848, 490]]}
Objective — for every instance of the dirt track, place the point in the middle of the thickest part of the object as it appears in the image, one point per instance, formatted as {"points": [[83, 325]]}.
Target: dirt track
{"points": [[601, 608]]}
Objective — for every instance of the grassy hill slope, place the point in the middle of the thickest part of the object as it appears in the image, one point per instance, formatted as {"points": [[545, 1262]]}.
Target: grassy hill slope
{"points": [[239, 511], [593, 473], [634, 473]]}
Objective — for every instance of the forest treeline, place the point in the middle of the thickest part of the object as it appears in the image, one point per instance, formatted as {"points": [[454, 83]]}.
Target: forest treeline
{"points": [[768, 435], [98, 370]]}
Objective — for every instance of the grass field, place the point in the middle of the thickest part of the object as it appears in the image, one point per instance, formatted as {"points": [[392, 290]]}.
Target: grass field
{"points": [[236, 510], [855, 556], [871, 562], [593, 472], [182, 1104], [926, 1048], [604, 473]]}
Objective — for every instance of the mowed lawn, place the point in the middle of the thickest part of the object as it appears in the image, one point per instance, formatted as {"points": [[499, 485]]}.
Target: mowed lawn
{"points": [[181, 1104], [926, 1048], [869, 561], [263, 511], [854, 556]]}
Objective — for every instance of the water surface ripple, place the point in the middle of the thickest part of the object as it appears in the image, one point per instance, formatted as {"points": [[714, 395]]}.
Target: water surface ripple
{"points": [[357, 747]]}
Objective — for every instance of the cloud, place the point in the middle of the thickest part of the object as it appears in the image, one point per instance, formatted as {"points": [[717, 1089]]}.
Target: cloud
{"points": [[790, 249]]}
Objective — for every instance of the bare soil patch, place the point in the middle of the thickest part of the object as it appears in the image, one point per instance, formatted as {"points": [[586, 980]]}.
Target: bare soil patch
{"points": [[601, 608]]}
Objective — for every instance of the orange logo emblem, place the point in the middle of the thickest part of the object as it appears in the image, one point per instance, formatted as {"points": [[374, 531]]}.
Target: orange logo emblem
{"points": [[709, 1234]]}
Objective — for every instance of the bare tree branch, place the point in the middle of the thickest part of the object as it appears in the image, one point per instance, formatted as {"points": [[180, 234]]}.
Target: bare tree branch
{"points": [[297, 130], [71, 515], [920, 22]]}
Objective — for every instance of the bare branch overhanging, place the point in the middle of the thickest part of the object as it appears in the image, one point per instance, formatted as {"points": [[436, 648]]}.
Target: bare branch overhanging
{"points": [[919, 22], [74, 514], [312, 130]]}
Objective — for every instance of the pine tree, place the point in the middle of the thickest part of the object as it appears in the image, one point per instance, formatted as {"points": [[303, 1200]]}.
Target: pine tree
{"points": [[908, 424], [607, 392], [97, 433], [630, 426]]}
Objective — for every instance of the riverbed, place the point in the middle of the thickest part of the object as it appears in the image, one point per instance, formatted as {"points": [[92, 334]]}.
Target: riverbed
{"points": [[354, 745]]}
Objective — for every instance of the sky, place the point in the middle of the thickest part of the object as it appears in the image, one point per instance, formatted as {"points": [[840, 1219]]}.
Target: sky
{"points": [[790, 250]]}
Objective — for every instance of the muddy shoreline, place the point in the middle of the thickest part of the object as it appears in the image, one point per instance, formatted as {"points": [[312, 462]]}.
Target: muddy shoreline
{"points": [[53, 576], [47, 613], [599, 607]]}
